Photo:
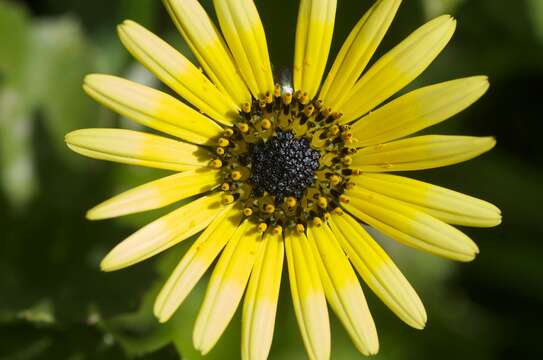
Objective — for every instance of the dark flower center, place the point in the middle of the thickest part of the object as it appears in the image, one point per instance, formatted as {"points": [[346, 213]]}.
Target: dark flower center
{"points": [[283, 166]]}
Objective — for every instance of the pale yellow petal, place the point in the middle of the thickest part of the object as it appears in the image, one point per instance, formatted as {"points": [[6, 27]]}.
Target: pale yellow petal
{"points": [[226, 286], [410, 226], [164, 233], [176, 71], [397, 68], [308, 296], [342, 289], [357, 51], [209, 48], [244, 33], [260, 305], [421, 152], [313, 38], [137, 148], [157, 194], [195, 262], [151, 108], [379, 271], [418, 110], [447, 205]]}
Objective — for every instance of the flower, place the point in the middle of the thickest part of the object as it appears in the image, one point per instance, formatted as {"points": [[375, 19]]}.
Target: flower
{"points": [[275, 170]]}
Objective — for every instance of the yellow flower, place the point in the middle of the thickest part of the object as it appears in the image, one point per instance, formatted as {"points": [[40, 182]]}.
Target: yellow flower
{"points": [[288, 169]]}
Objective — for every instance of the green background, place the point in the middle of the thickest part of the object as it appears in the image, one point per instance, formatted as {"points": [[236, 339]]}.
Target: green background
{"points": [[56, 304]]}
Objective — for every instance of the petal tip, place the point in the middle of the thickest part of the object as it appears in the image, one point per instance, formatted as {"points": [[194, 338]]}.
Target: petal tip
{"points": [[94, 214]]}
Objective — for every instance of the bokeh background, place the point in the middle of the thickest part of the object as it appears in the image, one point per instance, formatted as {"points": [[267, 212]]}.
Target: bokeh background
{"points": [[56, 304]]}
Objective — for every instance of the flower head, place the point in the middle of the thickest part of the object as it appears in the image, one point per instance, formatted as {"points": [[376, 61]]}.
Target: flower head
{"points": [[288, 170]]}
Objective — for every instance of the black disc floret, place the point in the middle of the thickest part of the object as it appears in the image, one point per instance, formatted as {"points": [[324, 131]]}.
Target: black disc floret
{"points": [[283, 166]]}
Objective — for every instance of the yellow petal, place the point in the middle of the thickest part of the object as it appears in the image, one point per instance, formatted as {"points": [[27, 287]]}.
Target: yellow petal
{"points": [[226, 286], [308, 296], [417, 110], [260, 305], [313, 38], [164, 233], [156, 194], [397, 68], [410, 226], [137, 148], [151, 108], [177, 72], [421, 152], [357, 51], [195, 262], [449, 206], [244, 33], [379, 271], [208, 47], [343, 290]]}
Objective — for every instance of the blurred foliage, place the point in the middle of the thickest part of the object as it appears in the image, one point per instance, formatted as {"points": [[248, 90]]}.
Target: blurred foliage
{"points": [[56, 304]]}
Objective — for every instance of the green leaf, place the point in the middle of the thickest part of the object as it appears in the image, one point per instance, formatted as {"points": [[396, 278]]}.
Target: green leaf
{"points": [[61, 57], [435, 8], [14, 39], [17, 174], [535, 8]]}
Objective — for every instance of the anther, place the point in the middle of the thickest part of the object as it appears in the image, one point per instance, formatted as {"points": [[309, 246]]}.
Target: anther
{"points": [[335, 180], [227, 199], [347, 160], [220, 151], [344, 199], [269, 98], [300, 228], [334, 130], [262, 103], [269, 208], [291, 201], [336, 115], [228, 132], [304, 99], [266, 124], [262, 227], [278, 229], [350, 185], [236, 175], [317, 221], [246, 108], [338, 211], [318, 104], [223, 142], [308, 110], [225, 186], [327, 216], [323, 202], [287, 98], [277, 90], [243, 127], [247, 212], [217, 163]]}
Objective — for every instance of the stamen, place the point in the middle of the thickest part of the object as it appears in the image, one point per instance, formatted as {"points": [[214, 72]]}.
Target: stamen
{"points": [[217, 163], [223, 142], [287, 160], [262, 227]]}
